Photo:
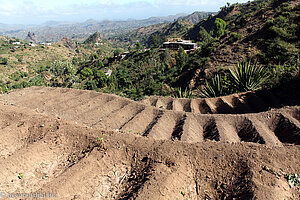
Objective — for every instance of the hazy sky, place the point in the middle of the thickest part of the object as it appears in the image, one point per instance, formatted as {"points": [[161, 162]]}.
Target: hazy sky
{"points": [[39, 11]]}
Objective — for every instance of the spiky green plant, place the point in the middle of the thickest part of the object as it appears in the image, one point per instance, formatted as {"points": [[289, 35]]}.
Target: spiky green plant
{"points": [[215, 88], [247, 76], [178, 93]]}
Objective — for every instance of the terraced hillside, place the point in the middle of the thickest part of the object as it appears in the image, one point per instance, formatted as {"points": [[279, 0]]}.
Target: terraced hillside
{"points": [[239, 103], [89, 145], [112, 112]]}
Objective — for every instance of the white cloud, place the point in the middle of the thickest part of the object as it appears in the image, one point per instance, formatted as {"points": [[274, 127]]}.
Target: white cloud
{"points": [[195, 2], [37, 11]]}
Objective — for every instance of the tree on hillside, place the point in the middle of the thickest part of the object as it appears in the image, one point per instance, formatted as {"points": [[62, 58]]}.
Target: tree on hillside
{"points": [[138, 46], [155, 41], [181, 59], [64, 73], [117, 52], [219, 27], [3, 61]]}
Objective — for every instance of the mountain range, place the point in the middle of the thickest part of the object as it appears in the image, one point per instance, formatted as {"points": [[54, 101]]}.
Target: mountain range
{"points": [[55, 30]]}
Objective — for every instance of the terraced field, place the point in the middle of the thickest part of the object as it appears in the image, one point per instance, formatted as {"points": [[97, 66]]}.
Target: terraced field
{"points": [[87, 145], [186, 123], [241, 103]]}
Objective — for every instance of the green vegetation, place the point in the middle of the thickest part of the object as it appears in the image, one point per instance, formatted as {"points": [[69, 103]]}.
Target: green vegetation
{"points": [[216, 87], [64, 74], [145, 72], [247, 77], [182, 193], [179, 93], [18, 75], [219, 28], [283, 32], [20, 176], [244, 77], [234, 36], [3, 61], [293, 180]]}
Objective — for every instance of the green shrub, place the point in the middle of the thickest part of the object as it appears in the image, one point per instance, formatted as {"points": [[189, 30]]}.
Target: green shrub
{"points": [[179, 93], [219, 27], [279, 51], [293, 180], [3, 61], [64, 73], [247, 76], [215, 88], [244, 77], [86, 73], [234, 36], [17, 75], [37, 81], [91, 85], [101, 78]]}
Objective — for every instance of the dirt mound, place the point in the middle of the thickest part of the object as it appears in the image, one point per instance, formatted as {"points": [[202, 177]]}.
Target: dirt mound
{"points": [[111, 112], [240, 103], [57, 144]]}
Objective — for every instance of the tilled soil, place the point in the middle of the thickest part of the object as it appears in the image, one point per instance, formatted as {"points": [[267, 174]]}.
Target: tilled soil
{"points": [[87, 145]]}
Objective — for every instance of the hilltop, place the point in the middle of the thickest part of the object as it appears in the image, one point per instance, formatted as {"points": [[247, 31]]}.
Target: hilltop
{"points": [[197, 16], [93, 39]]}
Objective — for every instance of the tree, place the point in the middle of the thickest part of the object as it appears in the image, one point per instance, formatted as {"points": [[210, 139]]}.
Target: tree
{"points": [[101, 78], [3, 61], [155, 41], [117, 52], [181, 59], [204, 37], [165, 56], [219, 27], [138, 46], [86, 73], [64, 73]]}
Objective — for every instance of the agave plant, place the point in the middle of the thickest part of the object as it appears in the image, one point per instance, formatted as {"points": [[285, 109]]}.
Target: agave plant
{"points": [[178, 93], [215, 88], [246, 76]]}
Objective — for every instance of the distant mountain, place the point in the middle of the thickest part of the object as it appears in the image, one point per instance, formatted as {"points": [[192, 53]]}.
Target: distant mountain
{"points": [[31, 37], [197, 16], [177, 28], [70, 44], [93, 39], [55, 31]]}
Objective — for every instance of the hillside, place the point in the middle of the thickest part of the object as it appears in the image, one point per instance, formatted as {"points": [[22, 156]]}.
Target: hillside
{"points": [[267, 31], [23, 64]]}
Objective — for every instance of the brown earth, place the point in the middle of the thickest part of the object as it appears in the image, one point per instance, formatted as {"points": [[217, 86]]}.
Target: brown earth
{"points": [[88, 145]]}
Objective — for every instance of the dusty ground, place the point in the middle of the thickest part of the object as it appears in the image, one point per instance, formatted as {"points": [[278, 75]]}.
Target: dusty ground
{"points": [[87, 145]]}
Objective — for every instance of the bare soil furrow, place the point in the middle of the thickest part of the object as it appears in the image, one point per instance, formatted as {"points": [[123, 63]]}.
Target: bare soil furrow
{"points": [[116, 120], [140, 123], [164, 126]]}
